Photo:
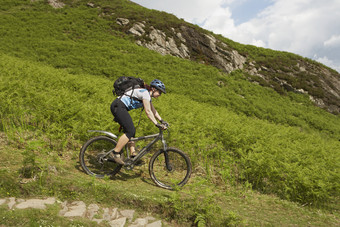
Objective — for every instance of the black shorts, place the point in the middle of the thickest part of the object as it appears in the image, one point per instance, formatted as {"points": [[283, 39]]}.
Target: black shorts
{"points": [[122, 116]]}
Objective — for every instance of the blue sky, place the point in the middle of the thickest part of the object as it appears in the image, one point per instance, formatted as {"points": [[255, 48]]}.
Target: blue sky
{"points": [[309, 28], [244, 10]]}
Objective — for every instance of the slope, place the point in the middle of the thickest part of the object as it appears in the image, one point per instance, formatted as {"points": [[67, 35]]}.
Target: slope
{"points": [[46, 119], [238, 134]]}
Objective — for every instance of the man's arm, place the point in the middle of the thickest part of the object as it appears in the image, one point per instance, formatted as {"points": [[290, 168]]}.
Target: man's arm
{"points": [[155, 113], [148, 107]]}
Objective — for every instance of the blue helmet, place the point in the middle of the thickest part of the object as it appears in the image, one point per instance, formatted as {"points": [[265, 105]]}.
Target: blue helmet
{"points": [[158, 85]]}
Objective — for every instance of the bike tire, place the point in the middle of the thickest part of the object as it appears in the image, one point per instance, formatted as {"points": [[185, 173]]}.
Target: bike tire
{"points": [[90, 157], [179, 172]]}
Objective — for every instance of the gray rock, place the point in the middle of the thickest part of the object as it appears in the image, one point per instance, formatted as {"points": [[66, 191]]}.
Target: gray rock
{"points": [[158, 37], [56, 4], [90, 4], [139, 222], [128, 214], [150, 218], [3, 201], [122, 21], [165, 45], [98, 220], [35, 203], [114, 213], [137, 29], [179, 35], [106, 214], [133, 31], [77, 209], [92, 210], [11, 202], [155, 224], [184, 51], [114, 217], [64, 208], [118, 222]]}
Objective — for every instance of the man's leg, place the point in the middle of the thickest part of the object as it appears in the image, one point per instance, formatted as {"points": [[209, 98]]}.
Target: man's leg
{"points": [[132, 148], [123, 117], [122, 141]]}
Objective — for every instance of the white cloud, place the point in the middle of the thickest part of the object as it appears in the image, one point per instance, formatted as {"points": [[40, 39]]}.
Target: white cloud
{"points": [[220, 21], [305, 27], [333, 41], [324, 60], [194, 11]]}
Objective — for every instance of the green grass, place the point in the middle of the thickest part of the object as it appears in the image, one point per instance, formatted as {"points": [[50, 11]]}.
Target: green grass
{"points": [[77, 40], [233, 150], [199, 200], [262, 158], [36, 217]]}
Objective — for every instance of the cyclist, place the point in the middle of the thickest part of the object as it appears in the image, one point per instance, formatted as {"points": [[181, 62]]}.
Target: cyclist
{"points": [[134, 99]]}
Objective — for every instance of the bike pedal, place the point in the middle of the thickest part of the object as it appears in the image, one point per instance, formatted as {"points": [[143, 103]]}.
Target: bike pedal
{"points": [[139, 163], [129, 167]]}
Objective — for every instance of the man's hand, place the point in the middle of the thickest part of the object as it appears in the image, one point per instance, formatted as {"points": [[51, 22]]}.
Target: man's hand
{"points": [[162, 126], [164, 123]]}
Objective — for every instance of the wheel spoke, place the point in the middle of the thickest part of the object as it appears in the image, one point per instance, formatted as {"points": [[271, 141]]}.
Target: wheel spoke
{"points": [[177, 172], [93, 160]]}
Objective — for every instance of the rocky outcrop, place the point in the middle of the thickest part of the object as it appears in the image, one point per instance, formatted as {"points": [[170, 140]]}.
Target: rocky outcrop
{"points": [[212, 51], [122, 21], [187, 43], [163, 44], [190, 43], [56, 4], [325, 82], [137, 29]]}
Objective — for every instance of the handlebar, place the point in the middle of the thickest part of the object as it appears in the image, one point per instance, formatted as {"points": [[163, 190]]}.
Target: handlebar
{"points": [[163, 126]]}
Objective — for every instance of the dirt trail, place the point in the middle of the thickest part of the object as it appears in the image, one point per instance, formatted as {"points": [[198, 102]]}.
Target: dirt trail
{"points": [[114, 216]]}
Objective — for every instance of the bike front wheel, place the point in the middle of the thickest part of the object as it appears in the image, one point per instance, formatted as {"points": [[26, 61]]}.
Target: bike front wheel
{"points": [[93, 159], [170, 169]]}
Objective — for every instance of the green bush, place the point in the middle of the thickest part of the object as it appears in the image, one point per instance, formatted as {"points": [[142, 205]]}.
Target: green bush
{"points": [[57, 77], [278, 159]]}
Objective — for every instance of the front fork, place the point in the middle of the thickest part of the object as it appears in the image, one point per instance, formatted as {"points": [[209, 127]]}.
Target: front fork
{"points": [[166, 155]]}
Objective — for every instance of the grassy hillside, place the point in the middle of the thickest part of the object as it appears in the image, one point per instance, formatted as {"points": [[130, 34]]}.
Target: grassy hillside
{"points": [[57, 69]]}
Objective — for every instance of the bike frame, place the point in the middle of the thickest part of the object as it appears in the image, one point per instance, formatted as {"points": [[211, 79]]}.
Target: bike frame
{"points": [[144, 150]]}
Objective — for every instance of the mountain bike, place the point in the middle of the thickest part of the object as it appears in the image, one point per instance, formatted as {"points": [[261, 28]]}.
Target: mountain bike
{"points": [[169, 167]]}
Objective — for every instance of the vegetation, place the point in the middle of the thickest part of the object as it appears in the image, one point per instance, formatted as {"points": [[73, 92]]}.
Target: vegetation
{"points": [[247, 143], [286, 67]]}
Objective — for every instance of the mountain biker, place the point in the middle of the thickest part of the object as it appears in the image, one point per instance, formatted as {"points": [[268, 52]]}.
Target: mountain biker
{"points": [[134, 99]]}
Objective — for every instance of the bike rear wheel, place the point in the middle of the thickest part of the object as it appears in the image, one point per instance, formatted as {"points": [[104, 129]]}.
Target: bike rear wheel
{"points": [[92, 157], [173, 173]]}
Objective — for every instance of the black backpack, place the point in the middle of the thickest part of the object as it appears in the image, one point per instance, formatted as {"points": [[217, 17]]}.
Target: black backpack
{"points": [[126, 83]]}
